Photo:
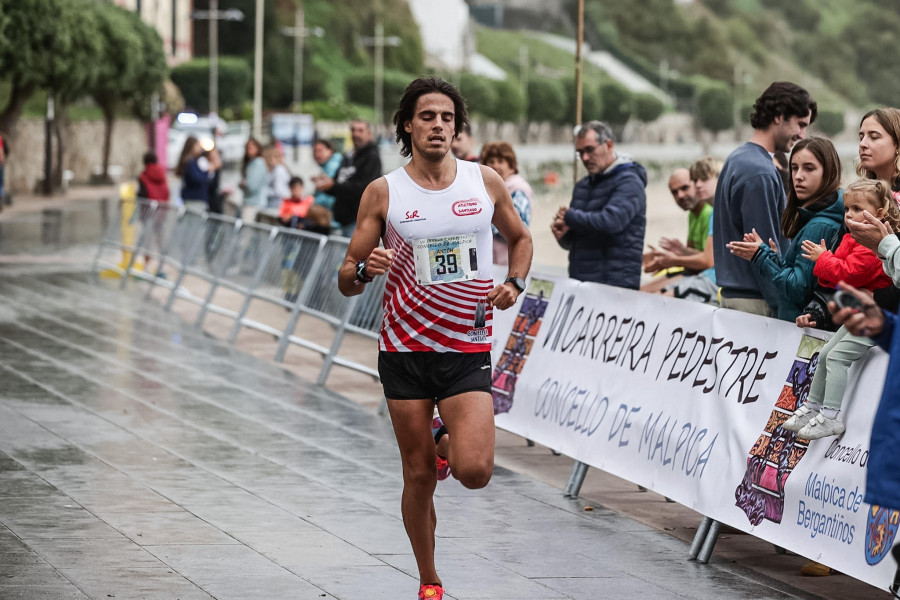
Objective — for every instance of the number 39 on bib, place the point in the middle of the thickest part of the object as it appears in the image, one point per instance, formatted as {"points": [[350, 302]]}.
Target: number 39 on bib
{"points": [[446, 259]]}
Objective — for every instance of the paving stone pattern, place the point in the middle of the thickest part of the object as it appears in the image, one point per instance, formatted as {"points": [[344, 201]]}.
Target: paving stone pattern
{"points": [[141, 459]]}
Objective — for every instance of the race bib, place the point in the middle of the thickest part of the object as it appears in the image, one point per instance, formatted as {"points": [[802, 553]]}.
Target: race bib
{"points": [[445, 259]]}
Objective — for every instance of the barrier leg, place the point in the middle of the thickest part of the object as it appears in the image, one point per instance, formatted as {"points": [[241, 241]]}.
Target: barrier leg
{"points": [[573, 487], [699, 537], [336, 342], [709, 543]]}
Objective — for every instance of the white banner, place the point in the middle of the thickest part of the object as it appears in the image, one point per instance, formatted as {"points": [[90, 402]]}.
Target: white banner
{"points": [[687, 400]]}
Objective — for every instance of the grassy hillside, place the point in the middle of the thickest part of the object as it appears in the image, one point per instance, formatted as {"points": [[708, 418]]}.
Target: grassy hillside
{"points": [[843, 51]]}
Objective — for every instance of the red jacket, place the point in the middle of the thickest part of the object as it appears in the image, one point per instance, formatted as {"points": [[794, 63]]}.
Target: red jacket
{"points": [[853, 263], [153, 184], [294, 207]]}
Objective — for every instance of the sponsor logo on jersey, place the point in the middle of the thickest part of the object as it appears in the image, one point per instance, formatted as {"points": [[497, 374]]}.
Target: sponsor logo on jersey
{"points": [[464, 208]]}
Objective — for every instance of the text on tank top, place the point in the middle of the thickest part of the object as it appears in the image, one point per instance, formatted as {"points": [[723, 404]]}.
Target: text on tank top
{"points": [[435, 296]]}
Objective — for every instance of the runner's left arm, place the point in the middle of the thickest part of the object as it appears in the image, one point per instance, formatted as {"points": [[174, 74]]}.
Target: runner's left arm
{"points": [[517, 236]]}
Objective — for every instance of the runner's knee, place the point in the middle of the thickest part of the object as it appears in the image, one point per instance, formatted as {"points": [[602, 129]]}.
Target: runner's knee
{"points": [[474, 475]]}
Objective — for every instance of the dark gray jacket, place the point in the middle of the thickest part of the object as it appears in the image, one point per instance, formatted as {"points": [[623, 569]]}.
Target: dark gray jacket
{"points": [[606, 220]]}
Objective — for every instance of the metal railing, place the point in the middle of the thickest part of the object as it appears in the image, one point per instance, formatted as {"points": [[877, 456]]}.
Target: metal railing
{"points": [[288, 268]]}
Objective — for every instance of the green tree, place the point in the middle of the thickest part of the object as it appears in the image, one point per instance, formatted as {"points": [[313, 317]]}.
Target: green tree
{"points": [[29, 29], [192, 78], [877, 48], [714, 106], [546, 100], [510, 105], [591, 104], [76, 51], [118, 70], [647, 107], [361, 89], [617, 103], [830, 122], [479, 92]]}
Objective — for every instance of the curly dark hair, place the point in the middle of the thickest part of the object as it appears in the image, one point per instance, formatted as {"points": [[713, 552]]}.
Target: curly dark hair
{"points": [[784, 99], [407, 108]]}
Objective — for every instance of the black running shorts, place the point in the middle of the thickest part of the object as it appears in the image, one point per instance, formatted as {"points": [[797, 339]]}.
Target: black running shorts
{"points": [[433, 375]]}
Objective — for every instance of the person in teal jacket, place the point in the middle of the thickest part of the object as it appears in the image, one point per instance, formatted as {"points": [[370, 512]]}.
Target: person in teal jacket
{"points": [[815, 211]]}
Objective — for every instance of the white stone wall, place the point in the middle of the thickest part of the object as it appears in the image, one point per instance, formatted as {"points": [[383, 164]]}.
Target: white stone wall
{"points": [[84, 152]]}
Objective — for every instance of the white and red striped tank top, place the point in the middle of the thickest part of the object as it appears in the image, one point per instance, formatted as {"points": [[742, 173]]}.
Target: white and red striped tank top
{"points": [[435, 296]]}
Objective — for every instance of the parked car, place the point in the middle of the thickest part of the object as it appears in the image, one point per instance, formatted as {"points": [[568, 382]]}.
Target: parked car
{"points": [[229, 137]]}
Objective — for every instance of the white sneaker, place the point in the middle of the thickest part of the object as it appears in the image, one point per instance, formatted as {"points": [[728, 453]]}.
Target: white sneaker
{"points": [[821, 426], [800, 418]]}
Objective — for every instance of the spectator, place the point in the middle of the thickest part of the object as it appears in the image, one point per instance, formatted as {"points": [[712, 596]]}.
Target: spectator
{"points": [[360, 167], [462, 146], [814, 212], [603, 228], [684, 192], [852, 263], [879, 158], [216, 199], [195, 172], [292, 213], [329, 161], [152, 185], [279, 177], [501, 157], [295, 206], [750, 195], [253, 179]]}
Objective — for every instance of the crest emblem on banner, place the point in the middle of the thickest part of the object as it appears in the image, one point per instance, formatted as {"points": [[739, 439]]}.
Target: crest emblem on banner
{"points": [[881, 529], [519, 344], [777, 451]]}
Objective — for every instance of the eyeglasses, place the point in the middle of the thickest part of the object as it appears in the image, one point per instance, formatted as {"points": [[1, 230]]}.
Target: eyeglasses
{"points": [[586, 150]]}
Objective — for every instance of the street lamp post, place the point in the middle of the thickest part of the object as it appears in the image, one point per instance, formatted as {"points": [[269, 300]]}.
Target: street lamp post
{"points": [[214, 15], [379, 42], [299, 32], [257, 69]]}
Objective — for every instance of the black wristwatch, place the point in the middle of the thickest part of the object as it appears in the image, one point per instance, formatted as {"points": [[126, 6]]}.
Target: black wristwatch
{"points": [[517, 282], [361, 272]]}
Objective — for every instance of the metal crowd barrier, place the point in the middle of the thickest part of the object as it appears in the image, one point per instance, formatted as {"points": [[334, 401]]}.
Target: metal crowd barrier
{"points": [[292, 269]]}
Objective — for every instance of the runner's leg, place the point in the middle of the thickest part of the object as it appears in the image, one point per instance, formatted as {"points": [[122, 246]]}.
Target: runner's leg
{"points": [[469, 418], [412, 427]]}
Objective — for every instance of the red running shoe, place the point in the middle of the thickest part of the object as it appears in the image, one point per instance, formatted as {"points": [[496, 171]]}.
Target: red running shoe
{"points": [[438, 431], [431, 592]]}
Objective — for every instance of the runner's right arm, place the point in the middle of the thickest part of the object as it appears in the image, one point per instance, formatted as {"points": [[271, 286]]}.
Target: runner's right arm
{"points": [[370, 224]]}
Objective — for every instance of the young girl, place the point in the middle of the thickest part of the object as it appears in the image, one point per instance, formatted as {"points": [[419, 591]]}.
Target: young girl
{"points": [[814, 211], [858, 266]]}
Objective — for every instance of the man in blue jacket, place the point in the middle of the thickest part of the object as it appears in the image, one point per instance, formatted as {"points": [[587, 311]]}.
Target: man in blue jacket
{"points": [[603, 228], [750, 195]]}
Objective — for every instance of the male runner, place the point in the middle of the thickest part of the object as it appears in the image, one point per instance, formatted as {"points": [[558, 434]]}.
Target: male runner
{"points": [[434, 217]]}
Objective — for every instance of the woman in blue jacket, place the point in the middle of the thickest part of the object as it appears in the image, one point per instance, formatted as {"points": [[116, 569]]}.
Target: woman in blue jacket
{"points": [[815, 211], [193, 169]]}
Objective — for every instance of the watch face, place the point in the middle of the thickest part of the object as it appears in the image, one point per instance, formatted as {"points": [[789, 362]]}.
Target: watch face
{"points": [[518, 282]]}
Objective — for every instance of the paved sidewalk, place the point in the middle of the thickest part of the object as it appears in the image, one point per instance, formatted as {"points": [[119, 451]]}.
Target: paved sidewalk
{"points": [[141, 459]]}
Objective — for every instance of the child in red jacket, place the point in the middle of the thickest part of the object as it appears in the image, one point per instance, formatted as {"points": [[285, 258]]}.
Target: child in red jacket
{"points": [[858, 266], [294, 209]]}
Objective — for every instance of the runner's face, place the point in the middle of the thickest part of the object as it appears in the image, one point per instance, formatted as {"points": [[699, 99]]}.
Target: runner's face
{"points": [[432, 126]]}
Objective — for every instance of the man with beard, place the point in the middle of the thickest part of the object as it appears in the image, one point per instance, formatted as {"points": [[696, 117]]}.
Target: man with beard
{"points": [[750, 194], [360, 167]]}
